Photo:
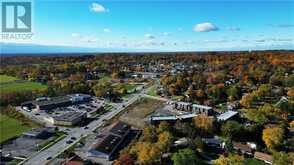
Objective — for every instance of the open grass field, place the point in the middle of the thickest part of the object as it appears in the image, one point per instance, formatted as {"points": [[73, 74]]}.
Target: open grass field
{"points": [[21, 86], [10, 128], [9, 84], [5, 78], [129, 87], [137, 112]]}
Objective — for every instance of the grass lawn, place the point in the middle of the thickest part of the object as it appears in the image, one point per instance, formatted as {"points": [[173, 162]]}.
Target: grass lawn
{"points": [[253, 161], [105, 79], [10, 128], [5, 78], [129, 87], [152, 92], [21, 86]]}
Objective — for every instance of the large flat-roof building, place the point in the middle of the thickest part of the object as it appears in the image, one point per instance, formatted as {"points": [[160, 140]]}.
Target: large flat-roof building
{"points": [[70, 118], [49, 103], [108, 142], [40, 133]]}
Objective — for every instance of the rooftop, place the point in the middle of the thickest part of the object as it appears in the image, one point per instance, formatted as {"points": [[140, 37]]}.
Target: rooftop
{"points": [[201, 106], [242, 147], [227, 115], [108, 144], [263, 156], [120, 128], [69, 116], [52, 100]]}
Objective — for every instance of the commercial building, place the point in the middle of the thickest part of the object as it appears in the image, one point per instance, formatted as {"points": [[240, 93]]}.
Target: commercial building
{"points": [[49, 103], [108, 142], [70, 118]]}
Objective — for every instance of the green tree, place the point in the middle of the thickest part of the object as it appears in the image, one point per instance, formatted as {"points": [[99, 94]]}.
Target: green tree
{"points": [[184, 157], [163, 126], [282, 158], [231, 129]]}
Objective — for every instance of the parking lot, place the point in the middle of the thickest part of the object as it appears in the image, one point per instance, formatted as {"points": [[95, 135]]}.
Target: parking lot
{"points": [[46, 116], [23, 146]]}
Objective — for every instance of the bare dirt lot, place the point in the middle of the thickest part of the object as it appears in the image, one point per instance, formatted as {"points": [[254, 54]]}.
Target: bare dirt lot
{"points": [[136, 113]]}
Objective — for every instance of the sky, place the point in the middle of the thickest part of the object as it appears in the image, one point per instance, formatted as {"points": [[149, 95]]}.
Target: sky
{"points": [[163, 25]]}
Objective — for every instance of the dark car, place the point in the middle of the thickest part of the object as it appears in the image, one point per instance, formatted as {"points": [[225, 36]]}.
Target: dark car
{"points": [[73, 138], [49, 158], [69, 142], [86, 127]]}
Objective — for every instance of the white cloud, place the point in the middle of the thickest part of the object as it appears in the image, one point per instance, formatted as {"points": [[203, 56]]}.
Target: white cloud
{"points": [[107, 30], [205, 27], [95, 7], [149, 36]]}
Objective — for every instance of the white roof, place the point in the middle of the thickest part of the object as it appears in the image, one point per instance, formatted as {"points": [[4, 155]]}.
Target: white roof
{"points": [[173, 117], [201, 106], [227, 115], [194, 105]]}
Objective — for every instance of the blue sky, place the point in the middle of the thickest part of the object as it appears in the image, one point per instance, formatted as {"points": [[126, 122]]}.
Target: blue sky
{"points": [[164, 25]]}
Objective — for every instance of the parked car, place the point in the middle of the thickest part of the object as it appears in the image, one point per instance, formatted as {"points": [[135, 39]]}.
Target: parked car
{"points": [[69, 142]]}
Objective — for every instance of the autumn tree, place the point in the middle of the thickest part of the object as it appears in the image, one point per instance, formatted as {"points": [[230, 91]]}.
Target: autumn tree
{"points": [[230, 160], [247, 100], [149, 134], [146, 152], [204, 124], [290, 92], [124, 159], [273, 137], [164, 140]]}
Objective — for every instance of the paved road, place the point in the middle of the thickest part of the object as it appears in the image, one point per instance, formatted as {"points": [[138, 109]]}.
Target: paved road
{"points": [[40, 158]]}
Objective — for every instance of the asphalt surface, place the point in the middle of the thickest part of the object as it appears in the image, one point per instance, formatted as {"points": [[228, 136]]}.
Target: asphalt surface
{"points": [[47, 155]]}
